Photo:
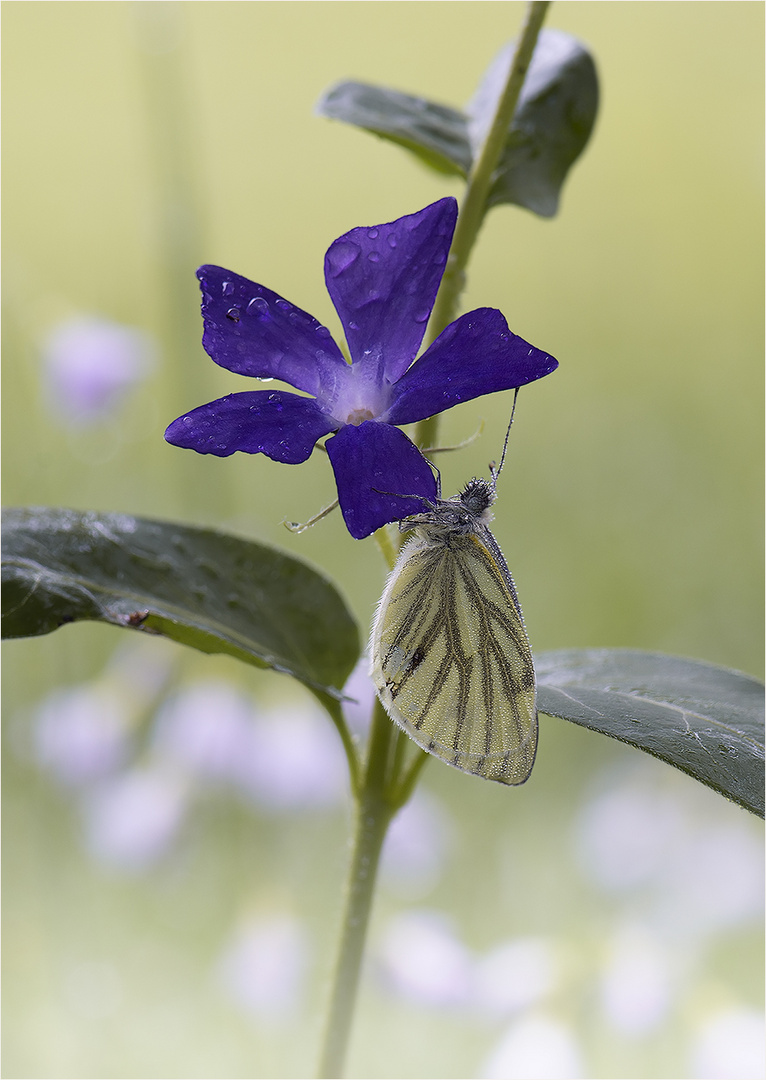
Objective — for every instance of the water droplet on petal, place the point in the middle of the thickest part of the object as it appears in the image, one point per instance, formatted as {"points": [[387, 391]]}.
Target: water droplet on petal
{"points": [[322, 331], [228, 288], [372, 233], [283, 305], [353, 326], [391, 240], [373, 256], [340, 256], [259, 305], [233, 314], [422, 316]]}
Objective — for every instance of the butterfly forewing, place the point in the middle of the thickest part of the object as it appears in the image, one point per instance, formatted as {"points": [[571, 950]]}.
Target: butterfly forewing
{"points": [[451, 659]]}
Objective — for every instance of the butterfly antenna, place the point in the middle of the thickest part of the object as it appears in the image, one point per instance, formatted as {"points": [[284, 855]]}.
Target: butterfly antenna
{"points": [[496, 470]]}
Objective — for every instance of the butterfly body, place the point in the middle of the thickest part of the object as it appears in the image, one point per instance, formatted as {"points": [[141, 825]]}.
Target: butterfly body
{"points": [[451, 660]]}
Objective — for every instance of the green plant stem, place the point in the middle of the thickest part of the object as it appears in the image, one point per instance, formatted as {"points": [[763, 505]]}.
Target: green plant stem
{"points": [[382, 791], [474, 205], [411, 777], [334, 710], [374, 811]]}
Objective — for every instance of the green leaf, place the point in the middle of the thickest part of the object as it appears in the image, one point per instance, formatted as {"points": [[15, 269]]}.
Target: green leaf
{"points": [[554, 118], [552, 124], [215, 592], [706, 720], [436, 134]]}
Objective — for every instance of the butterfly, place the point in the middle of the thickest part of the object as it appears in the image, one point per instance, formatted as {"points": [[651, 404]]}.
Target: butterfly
{"points": [[450, 657]]}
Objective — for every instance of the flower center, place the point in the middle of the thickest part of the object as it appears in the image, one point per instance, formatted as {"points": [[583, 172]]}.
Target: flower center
{"points": [[358, 416]]}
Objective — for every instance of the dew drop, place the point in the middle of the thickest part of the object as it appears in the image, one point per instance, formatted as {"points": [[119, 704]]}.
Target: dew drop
{"points": [[391, 240], [322, 331], [340, 256], [233, 314], [373, 234], [373, 256], [422, 316], [258, 306], [228, 288], [283, 305]]}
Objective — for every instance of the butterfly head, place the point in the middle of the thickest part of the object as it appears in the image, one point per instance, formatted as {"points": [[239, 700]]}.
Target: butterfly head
{"points": [[476, 498]]}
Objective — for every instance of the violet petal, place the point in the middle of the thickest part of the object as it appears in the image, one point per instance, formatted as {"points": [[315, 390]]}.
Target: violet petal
{"points": [[376, 467], [477, 354], [273, 422], [383, 282], [253, 331]]}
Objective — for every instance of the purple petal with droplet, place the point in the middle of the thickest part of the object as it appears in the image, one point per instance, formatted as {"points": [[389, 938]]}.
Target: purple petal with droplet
{"points": [[376, 468], [253, 331], [273, 422], [383, 282], [477, 354]]}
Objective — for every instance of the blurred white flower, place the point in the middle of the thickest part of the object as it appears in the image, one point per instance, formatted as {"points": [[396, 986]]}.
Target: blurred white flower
{"points": [[516, 974], [295, 760], [416, 847], [730, 1046], [81, 733], [697, 861], [132, 820], [721, 867], [423, 960], [89, 364], [205, 730], [637, 986], [535, 1047], [288, 758], [263, 969], [626, 833]]}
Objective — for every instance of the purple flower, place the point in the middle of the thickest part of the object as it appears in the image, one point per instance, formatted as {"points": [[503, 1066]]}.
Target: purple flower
{"points": [[383, 282]]}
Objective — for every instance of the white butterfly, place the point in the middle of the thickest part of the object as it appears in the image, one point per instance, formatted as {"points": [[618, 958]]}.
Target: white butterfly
{"points": [[451, 660]]}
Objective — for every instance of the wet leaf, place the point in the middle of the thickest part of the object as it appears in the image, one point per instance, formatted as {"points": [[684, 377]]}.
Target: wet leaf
{"points": [[706, 720], [207, 589], [553, 122], [436, 134]]}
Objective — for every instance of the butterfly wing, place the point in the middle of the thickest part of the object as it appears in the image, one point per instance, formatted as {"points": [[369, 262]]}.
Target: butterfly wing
{"points": [[451, 659]]}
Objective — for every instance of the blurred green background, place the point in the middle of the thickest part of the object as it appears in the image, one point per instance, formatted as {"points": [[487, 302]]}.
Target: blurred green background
{"points": [[141, 140]]}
